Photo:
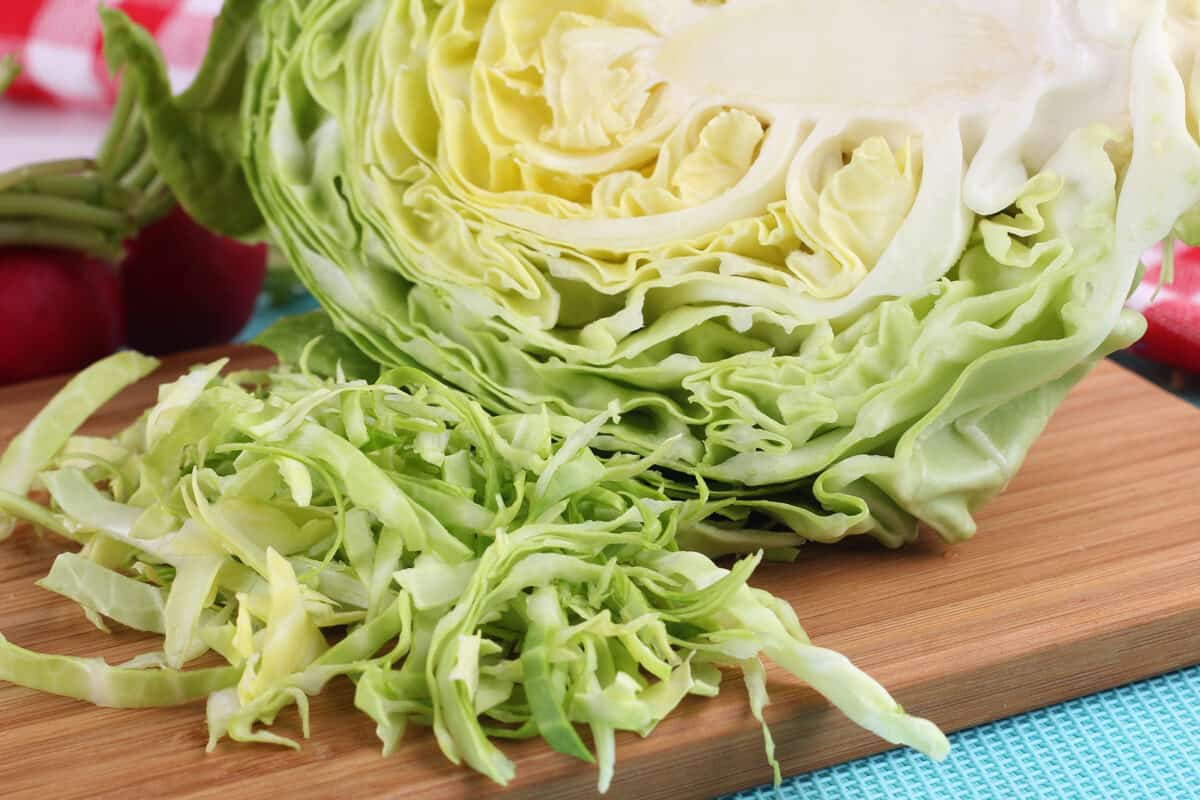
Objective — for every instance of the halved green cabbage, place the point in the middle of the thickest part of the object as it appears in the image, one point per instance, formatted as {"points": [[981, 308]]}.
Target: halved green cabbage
{"points": [[842, 262]]}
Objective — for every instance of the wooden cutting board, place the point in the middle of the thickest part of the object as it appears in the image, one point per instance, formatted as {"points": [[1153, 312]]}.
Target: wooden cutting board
{"points": [[1085, 574]]}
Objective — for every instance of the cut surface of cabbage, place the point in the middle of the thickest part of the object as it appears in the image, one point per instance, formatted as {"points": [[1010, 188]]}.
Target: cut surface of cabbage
{"points": [[839, 261]]}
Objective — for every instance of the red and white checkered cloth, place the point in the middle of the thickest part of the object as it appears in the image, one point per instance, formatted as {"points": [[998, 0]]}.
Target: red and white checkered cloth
{"points": [[57, 43]]}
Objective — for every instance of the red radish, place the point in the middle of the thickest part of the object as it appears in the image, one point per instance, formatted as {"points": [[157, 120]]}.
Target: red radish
{"points": [[59, 311], [1173, 318], [187, 287]]}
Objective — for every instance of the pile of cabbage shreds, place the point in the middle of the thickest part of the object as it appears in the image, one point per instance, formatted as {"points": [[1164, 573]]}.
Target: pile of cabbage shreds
{"points": [[470, 572]]}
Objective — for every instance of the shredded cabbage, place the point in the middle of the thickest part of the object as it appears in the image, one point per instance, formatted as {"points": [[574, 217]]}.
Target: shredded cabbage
{"points": [[478, 574]]}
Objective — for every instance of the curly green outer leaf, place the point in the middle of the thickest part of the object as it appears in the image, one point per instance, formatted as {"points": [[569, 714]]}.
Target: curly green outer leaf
{"points": [[195, 138], [290, 337]]}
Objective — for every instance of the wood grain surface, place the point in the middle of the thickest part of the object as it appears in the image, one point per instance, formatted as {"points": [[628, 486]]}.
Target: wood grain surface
{"points": [[1085, 574]]}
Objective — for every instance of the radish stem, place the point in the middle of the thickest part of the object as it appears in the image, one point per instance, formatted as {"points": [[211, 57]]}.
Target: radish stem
{"points": [[141, 173], [67, 166], [118, 129], [8, 71], [133, 146], [61, 209], [41, 234], [155, 201], [88, 187]]}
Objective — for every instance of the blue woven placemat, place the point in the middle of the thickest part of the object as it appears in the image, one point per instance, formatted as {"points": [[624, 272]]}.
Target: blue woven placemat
{"points": [[1138, 742]]}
